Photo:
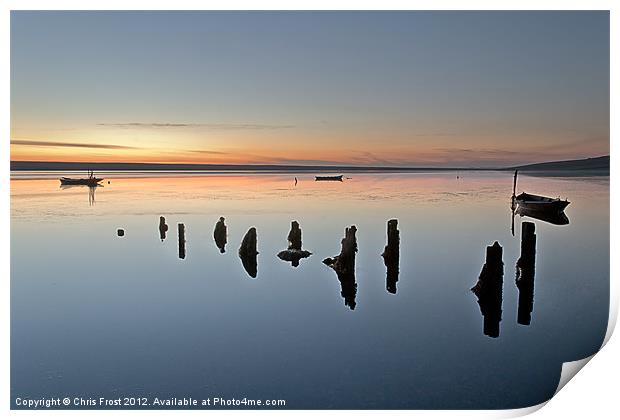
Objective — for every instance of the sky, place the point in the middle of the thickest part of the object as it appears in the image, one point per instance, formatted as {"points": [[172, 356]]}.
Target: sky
{"points": [[473, 89]]}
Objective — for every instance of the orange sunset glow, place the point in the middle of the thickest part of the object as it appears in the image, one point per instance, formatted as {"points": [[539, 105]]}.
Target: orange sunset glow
{"points": [[413, 92]]}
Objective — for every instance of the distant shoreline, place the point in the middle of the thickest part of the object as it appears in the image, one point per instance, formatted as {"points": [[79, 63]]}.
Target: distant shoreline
{"points": [[581, 167]]}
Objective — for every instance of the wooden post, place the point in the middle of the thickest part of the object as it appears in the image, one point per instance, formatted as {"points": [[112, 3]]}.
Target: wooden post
{"points": [[294, 236], [528, 241], [248, 244], [181, 241], [248, 252], [514, 184], [294, 253], [220, 234], [344, 265], [391, 255], [163, 228], [345, 261], [488, 290]]}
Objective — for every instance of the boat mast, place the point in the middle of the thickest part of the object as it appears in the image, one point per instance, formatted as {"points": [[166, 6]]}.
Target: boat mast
{"points": [[513, 202]]}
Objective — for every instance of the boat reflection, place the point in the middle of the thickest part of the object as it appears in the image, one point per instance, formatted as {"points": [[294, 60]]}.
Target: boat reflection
{"points": [[91, 191], [555, 218], [525, 270], [488, 290]]}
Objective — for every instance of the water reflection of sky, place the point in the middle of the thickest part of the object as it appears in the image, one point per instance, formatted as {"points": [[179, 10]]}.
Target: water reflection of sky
{"points": [[95, 314]]}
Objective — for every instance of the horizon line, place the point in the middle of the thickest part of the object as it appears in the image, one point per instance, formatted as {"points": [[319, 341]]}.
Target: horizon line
{"points": [[18, 165]]}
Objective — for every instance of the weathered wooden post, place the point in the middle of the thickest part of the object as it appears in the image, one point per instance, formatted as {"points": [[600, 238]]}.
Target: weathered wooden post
{"points": [[344, 266], [488, 290], [181, 241], [248, 252], [345, 261], [526, 267], [294, 253], [163, 228], [391, 255], [220, 234], [294, 236], [248, 244], [528, 242]]}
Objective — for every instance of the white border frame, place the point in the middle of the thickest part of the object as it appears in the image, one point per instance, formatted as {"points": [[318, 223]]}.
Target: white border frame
{"points": [[594, 393]]}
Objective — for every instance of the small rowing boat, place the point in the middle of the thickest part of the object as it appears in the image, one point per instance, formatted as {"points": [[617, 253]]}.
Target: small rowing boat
{"points": [[328, 178], [536, 203], [540, 203], [80, 181], [547, 209], [91, 181]]}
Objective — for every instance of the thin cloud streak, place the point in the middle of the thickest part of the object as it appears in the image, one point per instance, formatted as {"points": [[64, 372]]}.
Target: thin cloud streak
{"points": [[208, 126], [478, 152], [69, 144], [372, 158], [206, 152]]}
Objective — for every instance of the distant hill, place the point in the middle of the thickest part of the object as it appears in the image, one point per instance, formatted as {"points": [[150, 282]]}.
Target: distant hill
{"points": [[598, 165]]}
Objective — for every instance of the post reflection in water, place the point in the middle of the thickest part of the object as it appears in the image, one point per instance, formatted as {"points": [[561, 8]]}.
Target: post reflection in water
{"points": [[348, 288], [344, 265], [488, 290], [526, 265], [391, 255]]}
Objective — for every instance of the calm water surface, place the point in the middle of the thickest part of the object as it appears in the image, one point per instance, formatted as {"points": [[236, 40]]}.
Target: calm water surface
{"points": [[94, 314]]}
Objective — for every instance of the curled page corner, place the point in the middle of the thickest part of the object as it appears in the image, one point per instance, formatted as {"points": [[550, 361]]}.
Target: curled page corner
{"points": [[520, 412], [613, 313], [570, 369]]}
